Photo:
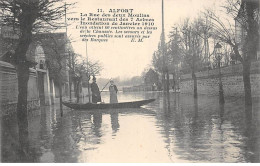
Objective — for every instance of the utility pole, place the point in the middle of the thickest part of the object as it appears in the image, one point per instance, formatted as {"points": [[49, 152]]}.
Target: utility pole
{"points": [[69, 51], [88, 76], [162, 47], [165, 65]]}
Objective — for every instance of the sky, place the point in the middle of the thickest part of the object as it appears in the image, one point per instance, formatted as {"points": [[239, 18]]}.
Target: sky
{"points": [[120, 57]]}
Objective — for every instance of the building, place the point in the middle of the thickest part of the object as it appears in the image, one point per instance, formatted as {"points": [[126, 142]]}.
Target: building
{"points": [[240, 30], [57, 48], [42, 88]]}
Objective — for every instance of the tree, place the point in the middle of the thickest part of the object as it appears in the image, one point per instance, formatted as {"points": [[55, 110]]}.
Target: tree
{"points": [[174, 53], [77, 75], [192, 48], [81, 69], [151, 77], [157, 62], [160, 62], [246, 15], [28, 16]]}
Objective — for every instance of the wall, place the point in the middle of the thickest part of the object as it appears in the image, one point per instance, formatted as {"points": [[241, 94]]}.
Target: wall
{"points": [[139, 88], [232, 80], [9, 89]]}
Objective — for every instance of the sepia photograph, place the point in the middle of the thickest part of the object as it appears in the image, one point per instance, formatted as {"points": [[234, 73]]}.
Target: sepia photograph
{"points": [[130, 81]]}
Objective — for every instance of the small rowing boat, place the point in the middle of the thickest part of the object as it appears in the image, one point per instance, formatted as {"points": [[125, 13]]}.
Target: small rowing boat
{"points": [[89, 106]]}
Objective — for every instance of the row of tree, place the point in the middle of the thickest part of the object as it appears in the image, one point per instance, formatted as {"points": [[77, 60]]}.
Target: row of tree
{"points": [[60, 58], [193, 43]]}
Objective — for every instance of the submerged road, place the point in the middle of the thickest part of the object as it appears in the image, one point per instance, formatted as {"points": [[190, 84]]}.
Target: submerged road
{"points": [[183, 132]]}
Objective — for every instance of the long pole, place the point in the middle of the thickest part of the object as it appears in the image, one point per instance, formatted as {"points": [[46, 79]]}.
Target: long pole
{"points": [[105, 85], [165, 67], [162, 47], [87, 70], [69, 52]]}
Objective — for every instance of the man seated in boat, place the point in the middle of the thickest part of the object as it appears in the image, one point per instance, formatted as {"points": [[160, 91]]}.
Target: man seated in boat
{"points": [[95, 91], [113, 92]]}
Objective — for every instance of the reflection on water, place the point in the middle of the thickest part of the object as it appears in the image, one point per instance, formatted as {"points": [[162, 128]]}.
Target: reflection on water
{"points": [[180, 129], [114, 121]]}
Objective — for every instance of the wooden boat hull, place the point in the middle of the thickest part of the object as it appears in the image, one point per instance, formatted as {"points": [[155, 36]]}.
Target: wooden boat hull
{"points": [[90, 106]]}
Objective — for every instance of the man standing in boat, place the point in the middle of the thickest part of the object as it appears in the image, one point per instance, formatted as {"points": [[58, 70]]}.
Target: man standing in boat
{"points": [[95, 91], [113, 92]]}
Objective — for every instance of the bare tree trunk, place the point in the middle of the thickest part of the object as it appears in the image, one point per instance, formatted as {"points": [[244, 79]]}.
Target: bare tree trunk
{"points": [[22, 114], [70, 83], [70, 74], [195, 91], [221, 91], [77, 91], [75, 87], [60, 91], [163, 81], [167, 81], [22, 70], [167, 89], [247, 87], [250, 47]]}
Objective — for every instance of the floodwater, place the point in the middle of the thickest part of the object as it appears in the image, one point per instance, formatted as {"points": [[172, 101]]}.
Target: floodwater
{"points": [[180, 132]]}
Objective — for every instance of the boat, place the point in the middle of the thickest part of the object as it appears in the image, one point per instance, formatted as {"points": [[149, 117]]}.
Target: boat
{"points": [[90, 106]]}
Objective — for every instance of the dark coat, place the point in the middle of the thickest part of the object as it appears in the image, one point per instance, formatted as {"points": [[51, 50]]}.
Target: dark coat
{"points": [[95, 93]]}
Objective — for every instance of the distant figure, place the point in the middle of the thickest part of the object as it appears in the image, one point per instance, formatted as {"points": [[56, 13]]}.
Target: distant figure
{"points": [[95, 92], [154, 87], [113, 92], [173, 85]]}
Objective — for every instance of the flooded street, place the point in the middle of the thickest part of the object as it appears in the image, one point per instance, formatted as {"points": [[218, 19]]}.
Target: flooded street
{"points": [[184, 132]]}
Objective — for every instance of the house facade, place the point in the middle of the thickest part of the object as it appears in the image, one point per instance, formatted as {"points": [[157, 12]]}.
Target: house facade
{"points": [[42, 89]]}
